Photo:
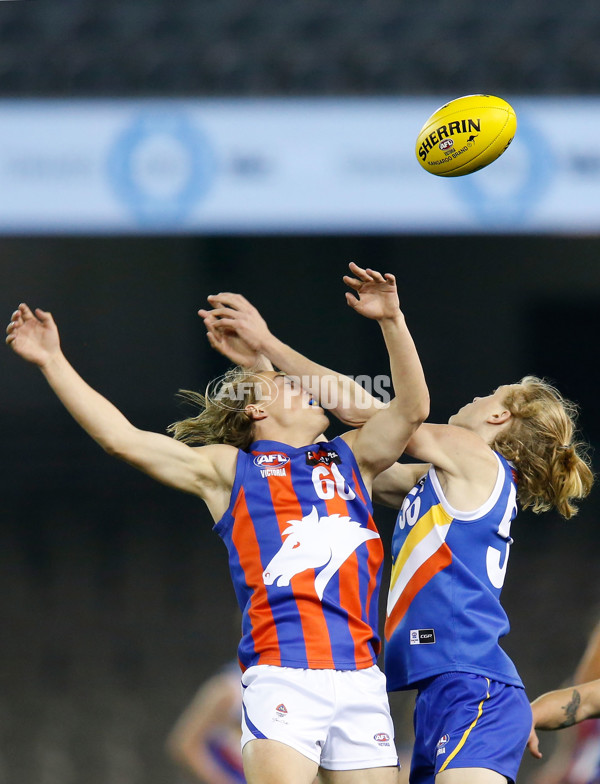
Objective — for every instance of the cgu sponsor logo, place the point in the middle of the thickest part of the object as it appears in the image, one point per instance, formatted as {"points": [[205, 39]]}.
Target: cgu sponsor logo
{"points": [[445, 132]]}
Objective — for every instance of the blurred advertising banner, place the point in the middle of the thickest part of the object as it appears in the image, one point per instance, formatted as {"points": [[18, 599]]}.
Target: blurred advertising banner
{"points": [[279, 165]]}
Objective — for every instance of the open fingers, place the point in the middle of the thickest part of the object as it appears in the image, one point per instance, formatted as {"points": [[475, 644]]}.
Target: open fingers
{"points": [[204, 313], [353, 282], [223, 324], [42, 315], [219, 313], [351, 299], [366, 275], [213, 340], [25, 312], [375, 276], [235, 301], [359, 272]]}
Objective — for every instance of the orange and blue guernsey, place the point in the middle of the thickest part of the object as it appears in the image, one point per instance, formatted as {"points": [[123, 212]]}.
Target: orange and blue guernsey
{"points": [[448, 567], [305, 557]]}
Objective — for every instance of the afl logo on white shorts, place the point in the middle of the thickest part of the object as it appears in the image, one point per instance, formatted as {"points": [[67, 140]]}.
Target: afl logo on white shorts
{"points": [[382, 738]]}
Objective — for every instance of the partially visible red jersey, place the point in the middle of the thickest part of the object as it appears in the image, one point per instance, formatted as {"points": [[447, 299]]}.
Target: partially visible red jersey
{"points": [[305, 557]]}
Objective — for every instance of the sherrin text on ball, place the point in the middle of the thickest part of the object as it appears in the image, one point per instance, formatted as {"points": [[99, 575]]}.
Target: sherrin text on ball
{"points": [[465, 135]]}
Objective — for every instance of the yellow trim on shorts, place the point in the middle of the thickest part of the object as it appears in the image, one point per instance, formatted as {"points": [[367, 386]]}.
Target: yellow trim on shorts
{"points": [[466, 733]]}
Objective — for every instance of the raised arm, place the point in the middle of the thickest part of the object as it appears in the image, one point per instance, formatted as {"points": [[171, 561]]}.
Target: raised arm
{"points": [[383, 438], [237, 329], [203, 471], [391, 487]]}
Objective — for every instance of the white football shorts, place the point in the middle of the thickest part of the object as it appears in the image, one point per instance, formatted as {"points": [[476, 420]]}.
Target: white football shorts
{"points": [[340, 719]]}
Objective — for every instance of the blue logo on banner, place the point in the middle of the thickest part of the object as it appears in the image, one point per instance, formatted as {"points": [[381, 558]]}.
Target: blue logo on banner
{"points": [[159, 167], [505, 197]]}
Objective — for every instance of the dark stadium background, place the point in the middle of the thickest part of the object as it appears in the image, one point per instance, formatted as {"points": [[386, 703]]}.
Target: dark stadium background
{"points": [[115, 596]]}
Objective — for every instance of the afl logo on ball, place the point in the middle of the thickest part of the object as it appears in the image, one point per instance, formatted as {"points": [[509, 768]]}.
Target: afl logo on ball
{"points": [[446, 144]]}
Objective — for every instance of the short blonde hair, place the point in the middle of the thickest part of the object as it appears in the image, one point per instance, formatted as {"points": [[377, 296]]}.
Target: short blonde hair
{"points": [[218, 423], [552, 463]]}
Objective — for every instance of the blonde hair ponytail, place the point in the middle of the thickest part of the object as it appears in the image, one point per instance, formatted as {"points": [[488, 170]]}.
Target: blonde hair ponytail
{"points": [[553, 465]]}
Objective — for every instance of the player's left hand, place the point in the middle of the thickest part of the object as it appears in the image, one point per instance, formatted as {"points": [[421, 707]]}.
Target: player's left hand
{"points": [[377, 292]]}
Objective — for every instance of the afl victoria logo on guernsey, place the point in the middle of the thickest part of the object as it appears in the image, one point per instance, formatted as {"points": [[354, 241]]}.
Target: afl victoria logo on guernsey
{"points": [[271, 463], [160, 166]]}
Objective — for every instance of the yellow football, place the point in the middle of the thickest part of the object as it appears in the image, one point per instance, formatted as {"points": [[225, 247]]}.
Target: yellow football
{"points": [[465, 135]]}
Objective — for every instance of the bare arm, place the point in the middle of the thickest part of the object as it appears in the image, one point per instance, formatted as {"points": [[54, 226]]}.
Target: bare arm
{"points": [[227, 342], [346, 399], [392, 485], [232, 315], [465, 465], [565, 707], [383, 438], [203, 471]]}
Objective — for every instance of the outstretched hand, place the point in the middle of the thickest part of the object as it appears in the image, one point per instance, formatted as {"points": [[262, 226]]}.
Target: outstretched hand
{"points": [[377, 292], [235, 328], [33, 335]]}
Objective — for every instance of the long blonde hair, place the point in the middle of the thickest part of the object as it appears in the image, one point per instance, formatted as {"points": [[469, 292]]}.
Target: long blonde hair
{"points": [[552, 463], [222, 418]]}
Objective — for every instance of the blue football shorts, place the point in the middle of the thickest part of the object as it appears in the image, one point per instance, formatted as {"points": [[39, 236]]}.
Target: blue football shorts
{"points": [[464, 720]]}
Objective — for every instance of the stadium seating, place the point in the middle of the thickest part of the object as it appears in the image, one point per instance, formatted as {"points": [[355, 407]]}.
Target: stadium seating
{"points": [[296, 47]]}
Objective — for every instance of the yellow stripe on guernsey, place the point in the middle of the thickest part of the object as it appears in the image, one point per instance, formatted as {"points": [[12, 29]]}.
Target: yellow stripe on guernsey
{"points": [[467, 732], [425, 539]]}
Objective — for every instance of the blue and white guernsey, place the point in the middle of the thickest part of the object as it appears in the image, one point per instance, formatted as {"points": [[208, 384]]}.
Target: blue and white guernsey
{"points": [[444, 612]]}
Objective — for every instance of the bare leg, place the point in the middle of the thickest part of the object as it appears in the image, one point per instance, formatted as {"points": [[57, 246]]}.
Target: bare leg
{"points": [[470, 776], [272, 762], [364, 776]]}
